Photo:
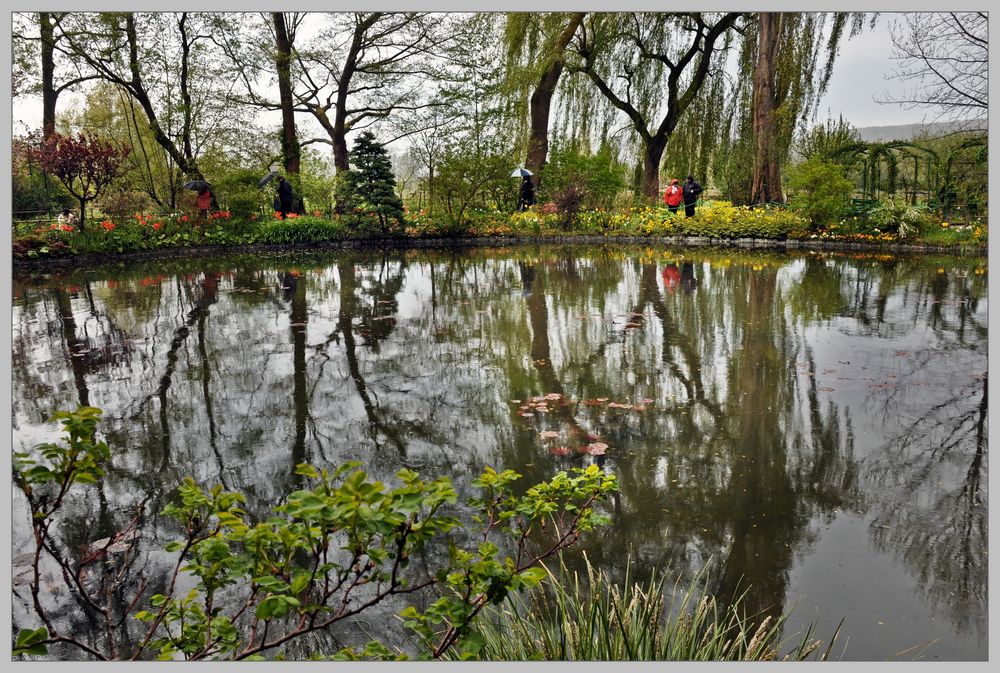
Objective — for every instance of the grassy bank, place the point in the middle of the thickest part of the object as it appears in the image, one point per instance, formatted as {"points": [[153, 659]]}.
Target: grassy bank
{"points": [[714, 220]]}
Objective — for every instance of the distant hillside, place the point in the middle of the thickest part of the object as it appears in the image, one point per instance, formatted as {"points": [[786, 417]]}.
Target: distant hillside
{"points": [[880, 134]]}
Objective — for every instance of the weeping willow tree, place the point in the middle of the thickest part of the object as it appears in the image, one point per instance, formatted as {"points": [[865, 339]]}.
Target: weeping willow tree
{"points": [[651, 67], [535, 58], [784, 67]]}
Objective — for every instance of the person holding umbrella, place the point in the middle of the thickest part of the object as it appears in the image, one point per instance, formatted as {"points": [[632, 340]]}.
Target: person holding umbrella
{"points": [[526, 197], [284, 196], [204, 201]]}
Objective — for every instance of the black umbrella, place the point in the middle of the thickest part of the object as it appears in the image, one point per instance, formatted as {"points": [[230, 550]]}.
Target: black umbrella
{"points": [[197, 185], [267, 178], [521, 172]]}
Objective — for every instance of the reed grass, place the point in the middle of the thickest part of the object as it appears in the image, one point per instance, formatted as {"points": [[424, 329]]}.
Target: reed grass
{"points": [[590, 618]]}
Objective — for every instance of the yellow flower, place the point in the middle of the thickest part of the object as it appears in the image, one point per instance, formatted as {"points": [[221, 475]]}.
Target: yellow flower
{"points": [[944, 224]]}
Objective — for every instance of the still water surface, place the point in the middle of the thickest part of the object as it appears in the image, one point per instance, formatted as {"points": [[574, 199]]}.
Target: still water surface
{"points": [[813, 424]]}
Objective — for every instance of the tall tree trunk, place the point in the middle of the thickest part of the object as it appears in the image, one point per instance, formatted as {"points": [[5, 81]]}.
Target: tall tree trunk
{"points": [[300, 391], [73, 345], [766, 184], [651, 156], [49, 94], [541, 101], [290, 150]]}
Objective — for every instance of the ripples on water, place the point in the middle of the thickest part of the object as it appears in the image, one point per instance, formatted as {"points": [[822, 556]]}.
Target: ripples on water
{"points": [[814, 424]]}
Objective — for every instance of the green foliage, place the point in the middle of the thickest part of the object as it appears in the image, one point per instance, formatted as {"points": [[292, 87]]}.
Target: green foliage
{"points": [[598, 178], [316, 182], [338, 546], [594, 619], [370, 187], [819, 190], [304, 229], [733, 169], [237, 192], [892, 215], [829, 141], [468, 179], [31, 641], [58, 466]]}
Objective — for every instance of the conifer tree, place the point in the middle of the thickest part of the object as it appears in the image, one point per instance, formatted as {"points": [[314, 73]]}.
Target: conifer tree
{"points": [[370, 185]]}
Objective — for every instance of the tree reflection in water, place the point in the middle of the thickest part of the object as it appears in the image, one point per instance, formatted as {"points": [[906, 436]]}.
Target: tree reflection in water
{"points": [[758, 396]]}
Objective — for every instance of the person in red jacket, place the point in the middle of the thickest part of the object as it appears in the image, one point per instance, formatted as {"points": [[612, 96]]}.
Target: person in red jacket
{"points": [[672, 197]]}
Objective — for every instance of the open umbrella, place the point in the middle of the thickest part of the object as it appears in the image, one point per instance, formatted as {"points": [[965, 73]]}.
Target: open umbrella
{"points": [[520, 172], [267, 178], [197, 185]]}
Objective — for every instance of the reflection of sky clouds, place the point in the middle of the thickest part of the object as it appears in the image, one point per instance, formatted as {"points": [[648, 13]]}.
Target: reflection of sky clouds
{"points": [[445, 375]]}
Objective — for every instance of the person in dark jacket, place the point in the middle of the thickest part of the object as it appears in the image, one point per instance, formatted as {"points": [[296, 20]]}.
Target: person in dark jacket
{"points": [[527, 195], [691, 191], [284, 197]]}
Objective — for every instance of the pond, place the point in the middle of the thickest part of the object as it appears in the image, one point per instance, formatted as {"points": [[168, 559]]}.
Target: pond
{"points": [[812, 425]]}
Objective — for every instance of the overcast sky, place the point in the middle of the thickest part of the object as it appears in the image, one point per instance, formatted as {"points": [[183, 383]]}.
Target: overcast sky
{"points": [[860, 75]]}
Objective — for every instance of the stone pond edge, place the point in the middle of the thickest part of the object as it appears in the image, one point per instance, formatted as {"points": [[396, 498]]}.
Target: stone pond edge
{"points": [[94, 259]]}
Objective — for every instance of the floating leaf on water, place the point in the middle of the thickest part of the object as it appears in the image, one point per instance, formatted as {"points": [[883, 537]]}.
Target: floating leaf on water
{"points": [[515, 401], [602, 399], [647, 400], [527, 415], [640, 407], [583, 449], [560, 450], [597, 448], [826, 389], [548, 434], [902, 354], [553, 396]]}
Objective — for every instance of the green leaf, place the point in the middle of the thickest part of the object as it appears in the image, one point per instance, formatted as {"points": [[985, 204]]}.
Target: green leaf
{"points": [[30, 641], [534, 575], [306, 470]]}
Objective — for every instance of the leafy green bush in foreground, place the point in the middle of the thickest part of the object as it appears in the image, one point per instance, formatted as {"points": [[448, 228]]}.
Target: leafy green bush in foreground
{"points": [[332, 551]]}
